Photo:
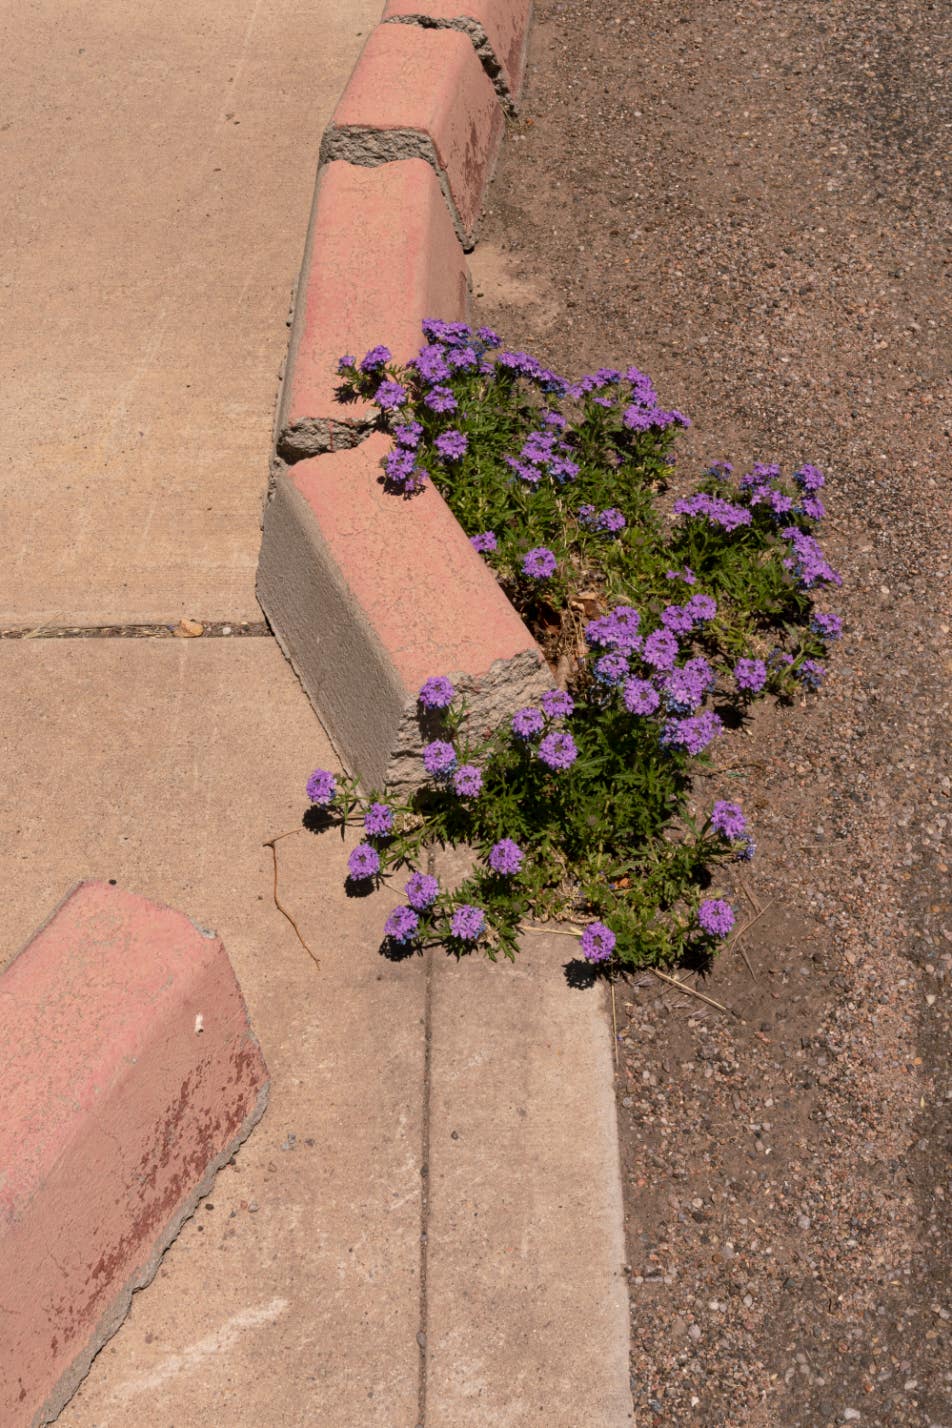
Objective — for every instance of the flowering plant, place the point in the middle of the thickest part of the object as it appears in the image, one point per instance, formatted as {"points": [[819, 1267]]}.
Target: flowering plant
{"points": [[660, 632]]}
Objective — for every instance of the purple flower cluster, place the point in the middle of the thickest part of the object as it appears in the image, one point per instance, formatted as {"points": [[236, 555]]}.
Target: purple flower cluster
{"points": [[439, 758], [467, 922], [390, 395], [556, 704], [660, 650], [728, 820], [452, 445], [640, 697], [402, 470], [717, 511], [506, 858], [421, 890], [539, 563], [686, 685], [485, 542], [692, 734], [720, 470], [468, 781], [376, 358], [809, 478], [437, 692], [322, 788], [617, 631], [827, 626], [402, 924], [526, 723], [440, 399], [716, 916], [364, 862], [611, 668], [807, 562], [598, 942], [687, 575], [810, 673], [558, 750], [750, 675], [608, 522], [378, 820]]}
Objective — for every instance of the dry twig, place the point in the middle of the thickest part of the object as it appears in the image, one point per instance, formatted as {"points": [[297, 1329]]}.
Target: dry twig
{"points": [[691, 991], [270, 843]]}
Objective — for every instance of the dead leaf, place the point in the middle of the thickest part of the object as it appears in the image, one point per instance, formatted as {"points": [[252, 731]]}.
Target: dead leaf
{"points": [[188, 629]]}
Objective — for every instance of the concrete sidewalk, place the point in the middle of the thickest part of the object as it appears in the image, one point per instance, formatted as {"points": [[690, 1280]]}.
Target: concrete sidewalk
{"points": [[159, 164]]}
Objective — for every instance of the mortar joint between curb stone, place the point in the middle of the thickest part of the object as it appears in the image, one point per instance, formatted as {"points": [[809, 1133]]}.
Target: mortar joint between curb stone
{"points": [[481, 44]]}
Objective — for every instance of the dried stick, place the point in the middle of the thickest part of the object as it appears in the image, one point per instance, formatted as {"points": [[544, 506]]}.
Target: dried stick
{"points": [[683, 987], [270, 843]]}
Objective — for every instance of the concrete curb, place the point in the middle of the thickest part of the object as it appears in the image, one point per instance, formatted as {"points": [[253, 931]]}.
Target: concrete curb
{"points": [[404, 165], [369, 595], [130, 1075]]}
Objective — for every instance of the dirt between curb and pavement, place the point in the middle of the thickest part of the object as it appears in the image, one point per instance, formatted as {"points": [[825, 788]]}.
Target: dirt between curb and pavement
{"points": [[748, 203]]}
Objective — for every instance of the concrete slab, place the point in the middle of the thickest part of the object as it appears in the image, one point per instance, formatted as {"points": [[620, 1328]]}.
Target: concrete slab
{"points": [[527, 1306], [293, 1297], [158, 170]]}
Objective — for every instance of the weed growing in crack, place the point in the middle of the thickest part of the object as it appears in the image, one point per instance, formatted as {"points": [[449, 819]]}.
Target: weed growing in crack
{"points": [[660, 629]]}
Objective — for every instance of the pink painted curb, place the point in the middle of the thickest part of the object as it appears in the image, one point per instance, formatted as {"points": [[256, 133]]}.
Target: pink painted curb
{"points": [[422, 93], [129, 1076], [498, 29], [381, 255], [369, 594]]}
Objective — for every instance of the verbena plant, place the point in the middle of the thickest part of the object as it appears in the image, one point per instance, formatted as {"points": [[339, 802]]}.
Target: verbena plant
{"points": [[661, 628]]}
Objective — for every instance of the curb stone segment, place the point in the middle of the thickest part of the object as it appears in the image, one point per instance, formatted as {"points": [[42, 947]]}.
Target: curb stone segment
{"points": [[120, 1106], [381, 255], [370, 594], [422, 93], [528, 1317], [498, 29]]}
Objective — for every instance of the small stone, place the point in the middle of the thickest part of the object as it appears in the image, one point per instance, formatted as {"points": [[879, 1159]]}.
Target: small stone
{"points": [[694, 1332]]}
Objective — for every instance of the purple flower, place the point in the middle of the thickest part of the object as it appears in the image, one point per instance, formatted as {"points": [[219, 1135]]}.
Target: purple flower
{"points": [[390, 395], [598, 942], [746, 852], [462, 358], [439, 758], [716, 916], [364, 862], [346, 364], [661, 649], [437, 692], [728, 819], [376, 358], [611, 668], [431, 364], [400, 464], [322, 788], [686, 686], [640, 697], [421, 890], [721, 470], [378, 820], [687, 575], [677, 618], [402, 924], [468, 781], [530, 474], [692, 734], [527, 722], [719, 512], [452, 445], [467, 922], [750, 674], [449, 333], [440, 399], [809, 478], [808, 563], [701, 607], [540, 563], [408, 434], [558, 751], [488, 337], [557, 704], [506, 858], [813, 508], [485, 542], [562, 469], [828, 626], [811, 673]]}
